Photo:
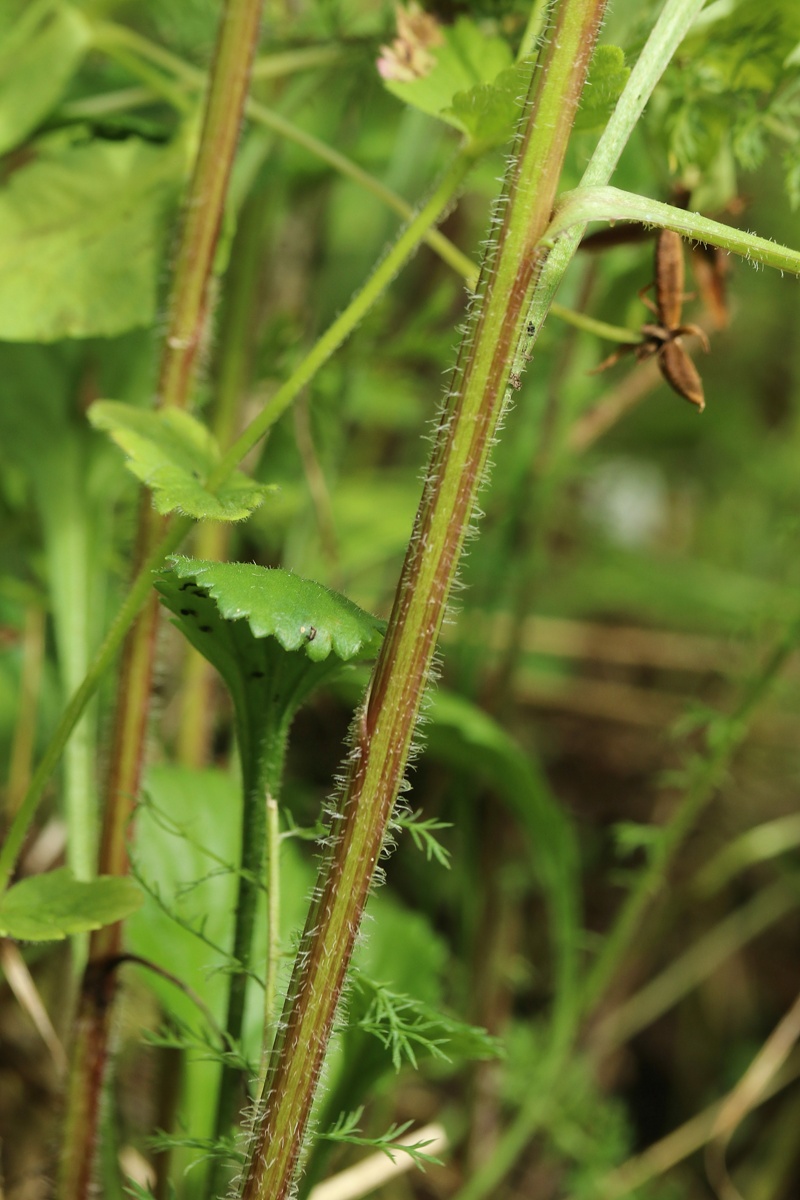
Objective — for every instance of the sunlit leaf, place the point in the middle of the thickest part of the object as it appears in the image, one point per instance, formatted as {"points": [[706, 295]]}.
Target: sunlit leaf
{"points": [[173, 453], [607, 77], [81, 228], [466, 59], [488, 112]]}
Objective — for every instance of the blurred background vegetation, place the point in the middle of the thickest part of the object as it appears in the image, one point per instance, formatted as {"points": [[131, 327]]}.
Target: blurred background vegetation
{"points": [[634, 565]]}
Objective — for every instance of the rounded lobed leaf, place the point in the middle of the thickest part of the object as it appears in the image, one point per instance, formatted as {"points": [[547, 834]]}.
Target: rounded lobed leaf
{"points": [[172, 453], [299, 613]]}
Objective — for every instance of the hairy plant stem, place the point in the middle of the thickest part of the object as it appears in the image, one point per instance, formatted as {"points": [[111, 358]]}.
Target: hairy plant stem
{"points": [[237, 39], [384, 728], [590, 203]]}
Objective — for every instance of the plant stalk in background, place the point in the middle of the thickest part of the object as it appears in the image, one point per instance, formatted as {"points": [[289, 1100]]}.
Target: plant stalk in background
{"points": [[237, 40]]}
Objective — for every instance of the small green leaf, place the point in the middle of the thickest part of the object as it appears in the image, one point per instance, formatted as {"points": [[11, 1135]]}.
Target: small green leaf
{"points": [[46, 908], [39, 56], [245, 618], [607, 77], [299, 613], [173, 453], [346, 1130], [467, 58], [80, 238], [488, 112]]}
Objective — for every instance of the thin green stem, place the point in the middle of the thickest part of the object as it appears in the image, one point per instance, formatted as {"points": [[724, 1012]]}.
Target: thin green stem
{"points": [[669, 30], [139, 590], [262, 753], [601, 329], [347, 321], [610, 204], [109, 39], [273, 924], [107, 102], [449, 253], [261, 114], [107, 34], [289, 62]]}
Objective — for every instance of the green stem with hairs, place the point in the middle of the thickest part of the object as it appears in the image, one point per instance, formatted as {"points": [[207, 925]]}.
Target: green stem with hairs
{"points": [[384, 729], [611, 204]]}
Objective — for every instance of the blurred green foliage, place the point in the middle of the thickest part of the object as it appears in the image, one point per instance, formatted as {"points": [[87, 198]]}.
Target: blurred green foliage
{"points": [[627, 570]]}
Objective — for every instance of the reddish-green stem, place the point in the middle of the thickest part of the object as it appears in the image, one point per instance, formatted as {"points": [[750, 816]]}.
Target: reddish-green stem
{"points": [[229, 82], [236, 44], [384, 730]]}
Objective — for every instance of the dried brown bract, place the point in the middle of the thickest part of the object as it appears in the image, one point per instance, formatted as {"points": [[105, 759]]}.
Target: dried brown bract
{"points": [[663, 337]]}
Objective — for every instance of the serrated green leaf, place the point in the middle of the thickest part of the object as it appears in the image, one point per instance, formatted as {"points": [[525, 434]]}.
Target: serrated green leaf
{"points": [[81, 229], [245, 618], [46, 908], [299, 613], [607, 77], [37, 59], [488, 113], [467, 58], [173, 454]]}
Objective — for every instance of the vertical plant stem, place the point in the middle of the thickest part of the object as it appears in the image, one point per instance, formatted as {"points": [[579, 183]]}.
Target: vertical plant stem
{"points": [[22, 743], [232, 373], [385, 727], [262, 752], [74, 538], [238, 36], [101, 663], [273, 927], [230, 77]]}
